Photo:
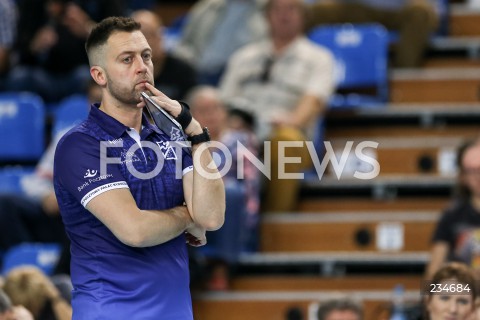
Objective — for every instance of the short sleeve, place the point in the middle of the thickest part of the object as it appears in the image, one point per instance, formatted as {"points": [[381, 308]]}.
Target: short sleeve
{"points": [[78, 168], [322, 72], [443, 230]]}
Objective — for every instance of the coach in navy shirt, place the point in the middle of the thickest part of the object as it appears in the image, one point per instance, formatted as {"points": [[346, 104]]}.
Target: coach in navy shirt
{"points": [[129, 197]]}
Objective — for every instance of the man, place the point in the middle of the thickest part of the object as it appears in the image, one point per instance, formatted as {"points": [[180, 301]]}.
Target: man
{"points": [[121, 185], [285, 82], [415, 20], [215, 29], [455, 237], [173, 76], [340, 309]]}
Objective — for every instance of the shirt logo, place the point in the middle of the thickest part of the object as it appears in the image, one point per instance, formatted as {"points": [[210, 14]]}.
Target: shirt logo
{"points": [[167, 150], [175, 134], [90, 173]]}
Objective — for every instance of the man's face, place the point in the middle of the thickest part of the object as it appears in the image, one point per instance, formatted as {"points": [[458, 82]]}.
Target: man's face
{"points": [[286, 18], [128, 66], [471, 169], [210, 113]]}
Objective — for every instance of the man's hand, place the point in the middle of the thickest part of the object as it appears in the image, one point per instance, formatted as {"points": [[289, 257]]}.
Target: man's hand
{"points": [[195, 236], [171, 106], [283, 119], [43, 40], [77, 21]]}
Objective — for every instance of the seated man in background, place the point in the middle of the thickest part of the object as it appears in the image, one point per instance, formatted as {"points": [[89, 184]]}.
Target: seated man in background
{"points": [[215, 29], [242, 189], [35, 216], [285, 81], [415, 20], [456, 236], [173, 76]]}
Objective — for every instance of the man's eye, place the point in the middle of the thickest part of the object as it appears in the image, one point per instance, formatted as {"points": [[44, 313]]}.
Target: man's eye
{"points": [[147, 56], [127, 60]]}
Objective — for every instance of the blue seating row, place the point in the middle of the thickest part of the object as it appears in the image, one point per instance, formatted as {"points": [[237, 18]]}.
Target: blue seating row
{"points": [[23, 124]]}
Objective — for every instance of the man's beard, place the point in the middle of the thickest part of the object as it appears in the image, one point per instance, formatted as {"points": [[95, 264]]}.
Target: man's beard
{"points": [[123, 95]]}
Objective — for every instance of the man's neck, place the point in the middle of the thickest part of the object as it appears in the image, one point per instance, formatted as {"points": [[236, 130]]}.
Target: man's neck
{"points": [[130, 116], [280, 44]]}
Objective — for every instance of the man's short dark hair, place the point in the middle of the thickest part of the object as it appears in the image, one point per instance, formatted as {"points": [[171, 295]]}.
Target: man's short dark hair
{"points": [[341, 305], [105, 28]]}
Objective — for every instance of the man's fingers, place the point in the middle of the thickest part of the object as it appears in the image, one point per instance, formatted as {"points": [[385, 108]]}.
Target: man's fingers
{"points": [[154, 90]]}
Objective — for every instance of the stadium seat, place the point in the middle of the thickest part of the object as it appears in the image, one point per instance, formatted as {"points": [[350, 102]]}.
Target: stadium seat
{"points": [[22, 119], [11, 176], [42, 255], [361, 70], [70, 112]]}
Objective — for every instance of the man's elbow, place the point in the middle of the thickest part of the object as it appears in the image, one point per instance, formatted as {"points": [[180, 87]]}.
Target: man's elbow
{"points": [[135, 241], [215, 221]]}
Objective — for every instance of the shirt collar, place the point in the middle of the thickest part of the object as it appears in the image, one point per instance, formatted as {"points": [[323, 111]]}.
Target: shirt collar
{"points": [[114, 127]]}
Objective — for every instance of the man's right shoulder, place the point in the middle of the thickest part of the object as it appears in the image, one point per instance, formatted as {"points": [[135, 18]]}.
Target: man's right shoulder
{"points": [[82, 133]]}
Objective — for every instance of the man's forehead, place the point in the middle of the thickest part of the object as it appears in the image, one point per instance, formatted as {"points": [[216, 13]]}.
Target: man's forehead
{"points": [[127, 41]]}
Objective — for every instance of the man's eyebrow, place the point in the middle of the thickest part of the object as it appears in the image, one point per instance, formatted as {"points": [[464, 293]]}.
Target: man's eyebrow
{"points": [[132, 52]]}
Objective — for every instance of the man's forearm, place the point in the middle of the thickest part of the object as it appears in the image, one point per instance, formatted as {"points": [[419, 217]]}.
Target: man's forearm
{"points": [[208, 198], [162, 226]]}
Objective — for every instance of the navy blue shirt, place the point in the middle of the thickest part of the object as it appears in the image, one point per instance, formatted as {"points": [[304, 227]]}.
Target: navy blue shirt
{"points": [[112, 280]]}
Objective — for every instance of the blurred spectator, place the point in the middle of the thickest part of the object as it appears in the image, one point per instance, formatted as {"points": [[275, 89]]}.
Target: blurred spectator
{"points": [[10, 312], [215, 29], [6, 312], [35, 216], [242, 184], [457, 235], [173, 76], [442, 304], [8, 25], [285, 81], [340, 309], [29, 287], [414, 20], [51, 39]]}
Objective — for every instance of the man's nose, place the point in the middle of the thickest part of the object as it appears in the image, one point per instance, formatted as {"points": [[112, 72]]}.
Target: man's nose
{"points": [[141, 66]]}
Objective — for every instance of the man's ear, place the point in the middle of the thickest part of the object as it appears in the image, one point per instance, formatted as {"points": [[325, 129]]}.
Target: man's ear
{"points": [[98, 74]]}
